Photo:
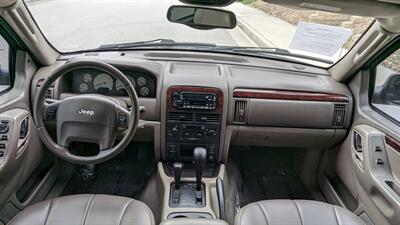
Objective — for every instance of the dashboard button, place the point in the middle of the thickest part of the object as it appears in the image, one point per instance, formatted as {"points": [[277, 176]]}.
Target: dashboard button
{"points": [[4, 128], [122, 120], [51, 113], [175, 94]]}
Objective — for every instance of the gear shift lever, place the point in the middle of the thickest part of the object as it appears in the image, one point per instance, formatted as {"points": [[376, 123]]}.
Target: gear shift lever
{"points": [[199, 157], [178, 168]]}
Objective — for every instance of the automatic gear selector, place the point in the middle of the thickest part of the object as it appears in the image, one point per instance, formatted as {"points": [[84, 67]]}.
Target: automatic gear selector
{"points": [[189, 194]]}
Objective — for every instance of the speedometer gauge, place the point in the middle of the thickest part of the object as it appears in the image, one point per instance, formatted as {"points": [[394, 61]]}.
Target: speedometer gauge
{"points": [[103, 83]]}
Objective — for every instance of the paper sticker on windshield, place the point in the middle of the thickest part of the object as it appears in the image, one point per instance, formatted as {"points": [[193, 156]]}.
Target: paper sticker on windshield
{"points": [[320, 39]]}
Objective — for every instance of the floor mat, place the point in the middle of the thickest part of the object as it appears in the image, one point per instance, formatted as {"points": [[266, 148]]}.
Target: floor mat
{"points": [[123, 176], [272, 184]]}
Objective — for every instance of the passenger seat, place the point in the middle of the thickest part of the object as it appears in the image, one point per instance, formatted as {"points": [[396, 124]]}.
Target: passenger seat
{"points": [[295, 212]]}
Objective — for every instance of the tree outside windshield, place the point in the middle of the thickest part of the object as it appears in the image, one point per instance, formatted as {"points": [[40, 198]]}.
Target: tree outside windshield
{"points": [[74, 25]]}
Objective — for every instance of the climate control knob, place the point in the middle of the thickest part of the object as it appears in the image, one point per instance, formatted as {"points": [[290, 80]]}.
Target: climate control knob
{"points": [[175, 130], [211, 133]]}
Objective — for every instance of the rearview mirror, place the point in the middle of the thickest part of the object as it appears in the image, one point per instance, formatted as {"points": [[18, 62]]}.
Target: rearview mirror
{"points": [[209, 2], [201, 18]]}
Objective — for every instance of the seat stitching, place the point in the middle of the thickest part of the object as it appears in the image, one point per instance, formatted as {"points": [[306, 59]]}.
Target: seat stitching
{"points": [[87, 209], [264, 213], [336, 217], [298, 211], [48, 213], [123, 212]]}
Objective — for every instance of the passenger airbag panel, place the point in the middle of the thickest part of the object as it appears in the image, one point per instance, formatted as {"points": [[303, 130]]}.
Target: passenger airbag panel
{"points": [[289, 113]]}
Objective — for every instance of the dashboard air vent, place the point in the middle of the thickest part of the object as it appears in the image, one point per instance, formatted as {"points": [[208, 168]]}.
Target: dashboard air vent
{"points": [[213, 118], [240, 111], [339, 115], [180, 116], [49, 93]]}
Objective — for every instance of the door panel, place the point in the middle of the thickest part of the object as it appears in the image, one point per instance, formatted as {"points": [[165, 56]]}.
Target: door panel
{"points": [[374, 180], [21, 151], [376, 174]]}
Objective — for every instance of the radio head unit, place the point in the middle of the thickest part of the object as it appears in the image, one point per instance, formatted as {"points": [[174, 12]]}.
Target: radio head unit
{"points": [[194, 100]]}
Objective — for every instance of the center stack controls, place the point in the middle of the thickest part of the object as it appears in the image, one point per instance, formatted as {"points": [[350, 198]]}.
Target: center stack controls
{"points": [[194, 116]]}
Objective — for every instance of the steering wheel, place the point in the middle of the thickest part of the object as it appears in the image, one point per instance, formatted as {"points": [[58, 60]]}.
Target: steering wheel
{"points": [[89, 118]]}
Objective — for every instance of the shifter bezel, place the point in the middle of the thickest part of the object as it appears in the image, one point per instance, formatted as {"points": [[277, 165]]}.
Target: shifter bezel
{"points": [[187, 198]]}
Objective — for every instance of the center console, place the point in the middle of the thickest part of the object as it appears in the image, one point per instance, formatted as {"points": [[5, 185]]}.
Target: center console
{"points": [[193, 128]]}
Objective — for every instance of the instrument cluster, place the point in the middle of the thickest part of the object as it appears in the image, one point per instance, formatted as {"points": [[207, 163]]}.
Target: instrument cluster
{"points": [[91, 81]]}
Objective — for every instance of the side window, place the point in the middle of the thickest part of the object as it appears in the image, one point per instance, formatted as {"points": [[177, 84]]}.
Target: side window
{"points": [[386, 94], [5, 76]]}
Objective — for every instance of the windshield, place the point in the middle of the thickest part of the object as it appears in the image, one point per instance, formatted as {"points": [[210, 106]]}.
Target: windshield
{"points": [[78, 25]]}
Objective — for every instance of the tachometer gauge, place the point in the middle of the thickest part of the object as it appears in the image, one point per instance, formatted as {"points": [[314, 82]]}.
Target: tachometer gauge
{"points": [[87, 77], [132, 80], [144, 91], [83, 87], [103, 83], [141, 81]]}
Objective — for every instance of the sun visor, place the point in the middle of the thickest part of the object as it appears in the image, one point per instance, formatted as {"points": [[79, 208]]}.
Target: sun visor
{"points": [[369, 8], [6, 3]]}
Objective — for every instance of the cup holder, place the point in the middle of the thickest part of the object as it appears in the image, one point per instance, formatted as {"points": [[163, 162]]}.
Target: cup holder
{"points": [[192, 215]]}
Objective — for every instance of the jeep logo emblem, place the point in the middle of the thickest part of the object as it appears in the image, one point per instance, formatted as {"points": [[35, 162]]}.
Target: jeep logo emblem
{"points": [[86, 112]]}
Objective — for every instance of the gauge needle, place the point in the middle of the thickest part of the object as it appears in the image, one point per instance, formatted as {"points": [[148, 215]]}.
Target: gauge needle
{"points": [[100, 84]]}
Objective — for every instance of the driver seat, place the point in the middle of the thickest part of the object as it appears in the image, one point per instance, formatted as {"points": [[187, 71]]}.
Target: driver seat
{"points": [[86, 209]]}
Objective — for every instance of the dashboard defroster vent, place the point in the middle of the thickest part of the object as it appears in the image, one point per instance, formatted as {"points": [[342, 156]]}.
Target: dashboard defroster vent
{"points": [[240, 112], [211, 118], [178, 116], [339, 115]]}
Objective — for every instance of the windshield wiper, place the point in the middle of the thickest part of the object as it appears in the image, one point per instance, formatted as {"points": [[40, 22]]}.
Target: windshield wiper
{"points": [[267, 50], [156, 43], [134, 44]]}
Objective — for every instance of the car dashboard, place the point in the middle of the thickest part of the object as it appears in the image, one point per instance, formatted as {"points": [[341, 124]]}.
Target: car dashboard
{"points": [[217, 101]]}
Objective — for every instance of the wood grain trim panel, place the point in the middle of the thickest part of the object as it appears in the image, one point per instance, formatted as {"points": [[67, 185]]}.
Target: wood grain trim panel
{"points": [[392, 143], [216, 91], [290, 95]]}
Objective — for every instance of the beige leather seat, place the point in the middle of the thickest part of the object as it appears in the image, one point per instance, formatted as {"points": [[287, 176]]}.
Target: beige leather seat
{"points": [[295, 212], [86, 209]]}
